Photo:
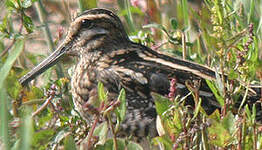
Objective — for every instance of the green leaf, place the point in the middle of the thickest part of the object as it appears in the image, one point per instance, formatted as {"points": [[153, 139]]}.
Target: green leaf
{"points": [[218, 135], [215, 115], [219, 11], [174, 23], [247, 111], [162, 103], [122, 144], [101, 131], [41, 138], [101, 92], [45, 118], [221, 132], [12, 85], [109, 145], [232, 74], [197, 109], [69, 143], [133, 146], [229, 122], [38, 93], [28, 23], [177, 122], [10, 4], [3, 25], [121, 110], [165, 140]]}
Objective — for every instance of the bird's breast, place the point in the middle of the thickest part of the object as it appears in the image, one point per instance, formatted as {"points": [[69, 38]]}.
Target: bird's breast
{"points": [[83, 79]]}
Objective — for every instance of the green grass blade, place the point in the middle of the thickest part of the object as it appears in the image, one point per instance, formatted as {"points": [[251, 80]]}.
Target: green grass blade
{"points": [[215, 92], [4, 119], [14, 53], [27, 131]]}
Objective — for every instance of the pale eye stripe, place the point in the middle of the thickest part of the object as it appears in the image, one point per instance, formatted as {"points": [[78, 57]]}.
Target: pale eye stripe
{"points": [[92, 17]]}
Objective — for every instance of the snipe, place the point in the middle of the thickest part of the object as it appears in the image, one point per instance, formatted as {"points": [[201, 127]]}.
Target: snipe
{"points": [[105, 53]]}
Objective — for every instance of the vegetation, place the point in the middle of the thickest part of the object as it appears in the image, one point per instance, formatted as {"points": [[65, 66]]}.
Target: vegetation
{"points": [[224, 34]]}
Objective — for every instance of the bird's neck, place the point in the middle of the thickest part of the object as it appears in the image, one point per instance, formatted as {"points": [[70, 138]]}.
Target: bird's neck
{"points": [[99, 54], [90, 58]]}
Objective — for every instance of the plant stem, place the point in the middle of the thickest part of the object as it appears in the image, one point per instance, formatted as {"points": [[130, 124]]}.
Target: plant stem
{"points": [[113, 131], [90, 135], [204, 136], [255, 136], [43, 106]]}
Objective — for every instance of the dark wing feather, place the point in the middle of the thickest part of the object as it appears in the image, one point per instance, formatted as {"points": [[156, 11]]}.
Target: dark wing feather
{"points": [[141, 76]]}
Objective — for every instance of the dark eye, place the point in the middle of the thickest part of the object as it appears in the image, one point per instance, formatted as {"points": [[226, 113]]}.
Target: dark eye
{"points": [[86, 23]]}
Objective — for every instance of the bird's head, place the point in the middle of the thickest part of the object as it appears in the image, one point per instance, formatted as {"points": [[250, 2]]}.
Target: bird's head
{"points": [[93, 30]]}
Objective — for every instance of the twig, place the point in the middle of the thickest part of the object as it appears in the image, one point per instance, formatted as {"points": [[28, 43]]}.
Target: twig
{"points": [[90, 135], [51, 93], [97, 115], [184, 135], [113, 131], [156, 47], [204, 136], [224, 109], [239, 145], [14, 40], [187, 140], [43, 106], [255, 136], [7, 48]]}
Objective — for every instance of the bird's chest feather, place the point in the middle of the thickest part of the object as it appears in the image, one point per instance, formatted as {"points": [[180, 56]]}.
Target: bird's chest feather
{"points": [[87, 73], [84, 79]]}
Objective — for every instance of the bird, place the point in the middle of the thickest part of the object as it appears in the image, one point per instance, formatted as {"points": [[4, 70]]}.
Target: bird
{"points": [[105, 54]]}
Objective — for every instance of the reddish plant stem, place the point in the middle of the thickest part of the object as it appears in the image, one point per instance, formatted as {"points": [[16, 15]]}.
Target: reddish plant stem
{"points": [[113, 131], [255, 136], [43, 106], [239, 146], [186, 137], [90, 135]]}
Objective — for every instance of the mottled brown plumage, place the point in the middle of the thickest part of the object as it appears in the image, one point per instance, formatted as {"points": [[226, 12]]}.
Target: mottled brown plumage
{"points": [[105, 53]]}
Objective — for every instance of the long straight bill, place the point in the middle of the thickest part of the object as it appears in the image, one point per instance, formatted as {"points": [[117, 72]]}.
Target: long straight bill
{"points": [[44, 65]]}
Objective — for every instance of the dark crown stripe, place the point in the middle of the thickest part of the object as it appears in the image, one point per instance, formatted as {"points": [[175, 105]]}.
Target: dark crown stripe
{"points": [[97, 11]]}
